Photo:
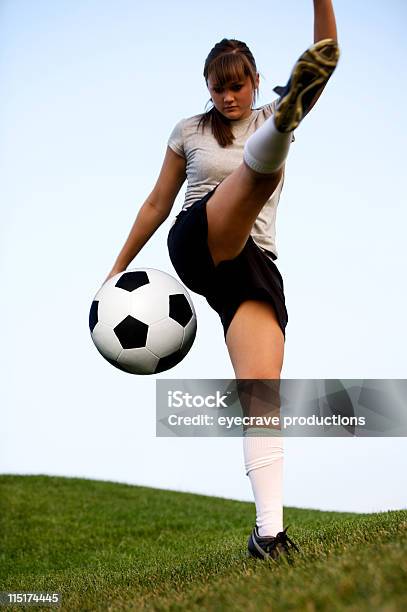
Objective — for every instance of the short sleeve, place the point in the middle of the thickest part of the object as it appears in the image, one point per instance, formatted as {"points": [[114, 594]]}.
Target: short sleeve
{"points": [[176, 139]]}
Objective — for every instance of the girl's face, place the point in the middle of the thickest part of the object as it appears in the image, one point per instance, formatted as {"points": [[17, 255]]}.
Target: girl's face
{"points": [[233, 99]]}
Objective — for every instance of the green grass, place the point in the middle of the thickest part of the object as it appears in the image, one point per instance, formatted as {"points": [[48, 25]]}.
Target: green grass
{"points": [[110, 546]]}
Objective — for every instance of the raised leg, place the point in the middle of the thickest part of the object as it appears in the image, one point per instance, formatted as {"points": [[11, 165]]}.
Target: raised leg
{"points": [[234, 207]]}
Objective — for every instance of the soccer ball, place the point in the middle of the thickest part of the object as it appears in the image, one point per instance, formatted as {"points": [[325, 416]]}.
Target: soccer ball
{"points": [[143, 321]]}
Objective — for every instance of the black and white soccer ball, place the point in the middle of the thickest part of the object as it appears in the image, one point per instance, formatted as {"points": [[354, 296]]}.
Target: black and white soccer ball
{"points": [[143, 321]]}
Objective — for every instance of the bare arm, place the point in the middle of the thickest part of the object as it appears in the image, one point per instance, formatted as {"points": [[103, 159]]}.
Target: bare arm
{"points": [[324, 27], [324, 20], [154, 211]]}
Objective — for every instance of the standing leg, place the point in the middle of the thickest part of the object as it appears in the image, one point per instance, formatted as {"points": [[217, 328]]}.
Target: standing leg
{"points": [[256, 347]]}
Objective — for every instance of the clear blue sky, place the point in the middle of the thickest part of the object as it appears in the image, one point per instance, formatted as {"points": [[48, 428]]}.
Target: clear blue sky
{"points": [[90, 93]]}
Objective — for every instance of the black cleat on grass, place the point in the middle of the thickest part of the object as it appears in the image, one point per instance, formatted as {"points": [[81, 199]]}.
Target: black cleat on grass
{"points": [[309, 75], [270, 546]]}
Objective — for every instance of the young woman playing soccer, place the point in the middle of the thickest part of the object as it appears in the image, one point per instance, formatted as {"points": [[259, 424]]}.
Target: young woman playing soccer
{"points": [[222, 243]]}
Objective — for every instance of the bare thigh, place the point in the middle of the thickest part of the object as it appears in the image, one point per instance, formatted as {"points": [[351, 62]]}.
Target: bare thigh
{"points": [[255, 341], [233, 208]]}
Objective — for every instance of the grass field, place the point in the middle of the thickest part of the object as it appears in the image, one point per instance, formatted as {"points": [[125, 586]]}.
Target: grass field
{"points": [[110, 546]]}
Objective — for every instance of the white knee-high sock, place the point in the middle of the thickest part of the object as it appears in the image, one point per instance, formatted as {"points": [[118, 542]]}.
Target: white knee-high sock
{"points": [[266, 150], [263, 458]]}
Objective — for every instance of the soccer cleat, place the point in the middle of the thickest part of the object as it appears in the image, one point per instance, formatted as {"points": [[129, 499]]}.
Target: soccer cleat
{"points": [[272, 547], [308, 77]]}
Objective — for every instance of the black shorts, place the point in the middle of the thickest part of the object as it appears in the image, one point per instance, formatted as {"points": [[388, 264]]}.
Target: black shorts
{"points": [[250, 275]]}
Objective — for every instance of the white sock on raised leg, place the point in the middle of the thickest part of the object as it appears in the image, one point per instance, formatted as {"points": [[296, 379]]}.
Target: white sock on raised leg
{"points": [[266, 150], [263, 458]]}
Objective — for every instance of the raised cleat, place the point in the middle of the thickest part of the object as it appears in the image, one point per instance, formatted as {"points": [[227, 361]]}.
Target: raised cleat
{"points": [[308, 77], [270, 546]]}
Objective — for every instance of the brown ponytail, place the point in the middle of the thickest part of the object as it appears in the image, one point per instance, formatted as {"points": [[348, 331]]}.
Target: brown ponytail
{"points": [[229, 60]]}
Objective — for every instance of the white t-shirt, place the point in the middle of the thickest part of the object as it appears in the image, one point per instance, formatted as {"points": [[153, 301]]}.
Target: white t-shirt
{"points": [[207, 164]]}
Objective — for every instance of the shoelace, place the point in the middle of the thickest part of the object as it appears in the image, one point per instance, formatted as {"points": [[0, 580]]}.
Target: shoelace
{"points": [[283, 539]]}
